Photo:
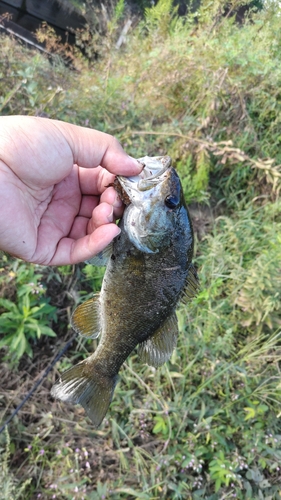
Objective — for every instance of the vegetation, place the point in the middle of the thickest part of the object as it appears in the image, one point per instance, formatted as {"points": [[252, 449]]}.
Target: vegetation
{"points": [[206, 425]]}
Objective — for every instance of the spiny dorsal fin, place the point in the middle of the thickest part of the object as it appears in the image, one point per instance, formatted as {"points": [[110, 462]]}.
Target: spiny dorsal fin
{"points": [[156, 350], [101, 258], [86, 318], [191, 287]]}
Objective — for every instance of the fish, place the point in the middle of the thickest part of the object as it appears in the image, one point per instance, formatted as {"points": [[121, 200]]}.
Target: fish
{"points": [[149, 270]]}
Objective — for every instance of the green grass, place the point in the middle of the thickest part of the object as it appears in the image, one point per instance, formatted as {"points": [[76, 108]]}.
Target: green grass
{"points": [[207, 424]]}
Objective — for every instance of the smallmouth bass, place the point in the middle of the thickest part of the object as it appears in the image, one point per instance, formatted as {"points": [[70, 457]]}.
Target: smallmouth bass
{"points": [[149, 270]]}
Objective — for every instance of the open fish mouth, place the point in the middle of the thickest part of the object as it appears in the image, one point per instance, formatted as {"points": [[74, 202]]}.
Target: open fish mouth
{"points": [[153, 168]]}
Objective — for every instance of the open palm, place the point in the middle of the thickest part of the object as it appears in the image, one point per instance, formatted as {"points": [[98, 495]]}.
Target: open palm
{"points": [[54, 208]]}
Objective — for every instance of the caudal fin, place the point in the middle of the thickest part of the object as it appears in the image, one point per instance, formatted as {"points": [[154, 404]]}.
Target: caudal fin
{"points": [[84, 386]]}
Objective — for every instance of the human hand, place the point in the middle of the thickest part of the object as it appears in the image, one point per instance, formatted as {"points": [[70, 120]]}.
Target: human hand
{"points": [[56, 209]]}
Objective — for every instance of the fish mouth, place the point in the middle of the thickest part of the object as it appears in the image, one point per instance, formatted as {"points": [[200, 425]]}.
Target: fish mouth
{"points": [[153, 169]]}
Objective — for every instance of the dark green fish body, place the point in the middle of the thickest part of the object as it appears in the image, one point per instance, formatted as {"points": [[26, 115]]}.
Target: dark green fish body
{"points": [[148, 271]]}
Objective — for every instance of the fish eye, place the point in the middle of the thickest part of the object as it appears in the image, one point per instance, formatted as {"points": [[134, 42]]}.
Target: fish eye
{"points": [[172, 201]]}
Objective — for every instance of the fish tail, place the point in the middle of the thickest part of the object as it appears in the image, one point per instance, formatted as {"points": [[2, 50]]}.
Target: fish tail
{"points": [[86, 386]]}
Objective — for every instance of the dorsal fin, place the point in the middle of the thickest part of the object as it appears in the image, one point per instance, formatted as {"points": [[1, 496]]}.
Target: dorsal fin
{"points": [[191, 287], [101, 258], [86, 318], [158, 348]]}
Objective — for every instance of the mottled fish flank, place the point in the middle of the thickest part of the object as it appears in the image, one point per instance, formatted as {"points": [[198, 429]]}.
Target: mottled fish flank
{"points": [[148, 272]]}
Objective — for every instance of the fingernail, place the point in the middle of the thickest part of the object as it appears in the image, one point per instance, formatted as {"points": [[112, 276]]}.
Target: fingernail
{"points": [[110, 216], [137, 163]]}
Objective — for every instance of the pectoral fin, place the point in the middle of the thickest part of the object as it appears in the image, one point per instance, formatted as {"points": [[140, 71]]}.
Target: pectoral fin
{"points": [[86, 318], [191, 285], [156, 350], [101, 258]]}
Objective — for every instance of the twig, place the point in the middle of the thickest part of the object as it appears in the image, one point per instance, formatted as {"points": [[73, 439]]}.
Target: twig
{"points": [[226, 151]]}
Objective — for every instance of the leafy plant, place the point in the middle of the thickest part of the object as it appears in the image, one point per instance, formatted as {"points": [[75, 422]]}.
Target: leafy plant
{"points": [[25, 318]]}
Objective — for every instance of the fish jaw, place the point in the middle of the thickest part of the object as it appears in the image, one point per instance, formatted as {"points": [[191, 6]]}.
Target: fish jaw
{"points": [[151, 175], [153, 166]]}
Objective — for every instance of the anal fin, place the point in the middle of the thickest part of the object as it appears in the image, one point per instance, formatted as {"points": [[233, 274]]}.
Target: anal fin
{"points": [[158, 348], [86, 318]]}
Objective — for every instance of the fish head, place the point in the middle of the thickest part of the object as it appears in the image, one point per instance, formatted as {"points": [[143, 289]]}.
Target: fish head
{"points": [[157, 209]]}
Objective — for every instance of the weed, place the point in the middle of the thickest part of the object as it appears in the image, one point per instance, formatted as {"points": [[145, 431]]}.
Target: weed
{"points": [[27, 316], [10, 488]]}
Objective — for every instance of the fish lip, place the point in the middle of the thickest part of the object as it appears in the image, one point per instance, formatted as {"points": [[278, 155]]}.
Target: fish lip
{"points": [[156, 165]]}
